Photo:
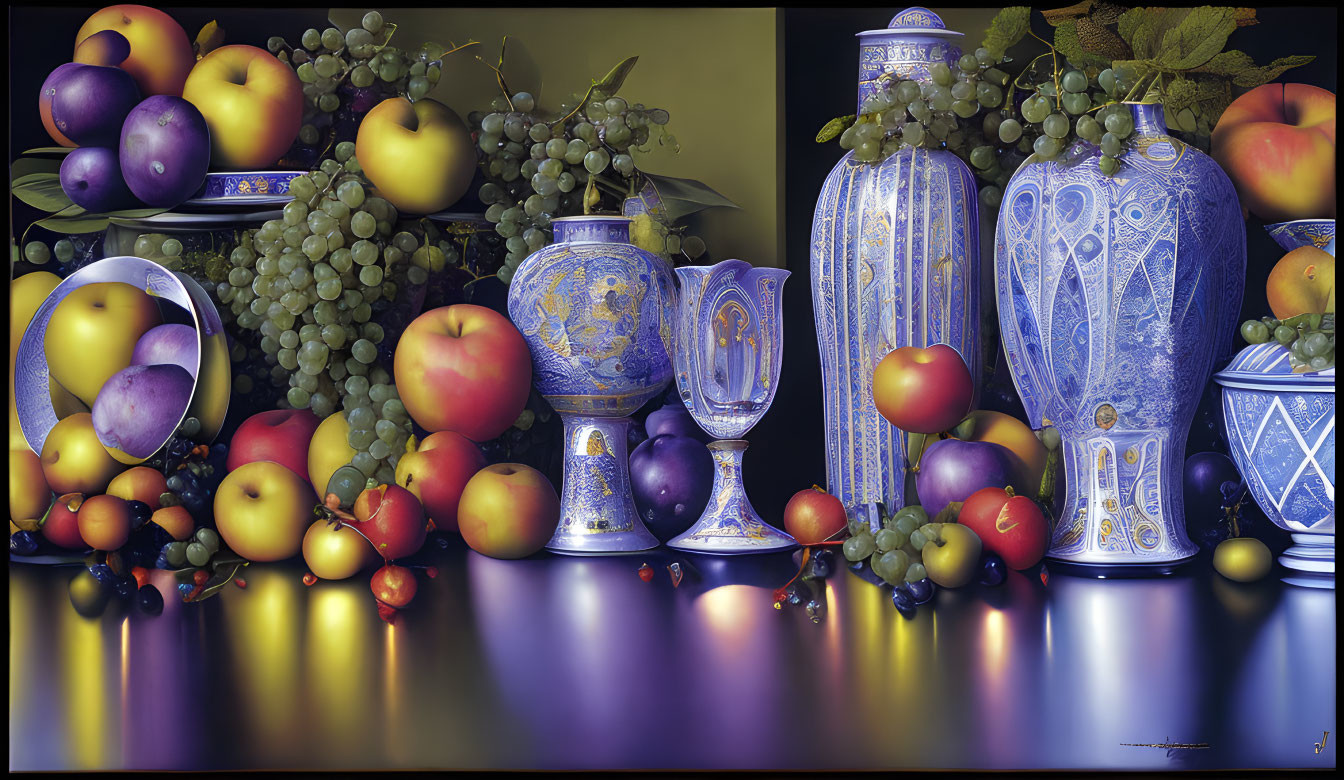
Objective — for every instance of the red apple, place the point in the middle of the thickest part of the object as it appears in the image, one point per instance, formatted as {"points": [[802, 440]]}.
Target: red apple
{"points": [[438, 471], [281, 436], [923, 390], [812, 516], [508, 510], [393, 519], [1277, 144], [394, 586], [463, 368], [62, 524], [1010, 525]]}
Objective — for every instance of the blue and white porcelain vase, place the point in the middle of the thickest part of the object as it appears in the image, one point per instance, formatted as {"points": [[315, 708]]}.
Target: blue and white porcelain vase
{"points": [[1281, 431], [1115, 297], [895, 263], [596, 312]]}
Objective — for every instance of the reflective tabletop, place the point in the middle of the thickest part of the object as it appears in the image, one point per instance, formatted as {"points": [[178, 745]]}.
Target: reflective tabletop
{"points": [[562, 662]]}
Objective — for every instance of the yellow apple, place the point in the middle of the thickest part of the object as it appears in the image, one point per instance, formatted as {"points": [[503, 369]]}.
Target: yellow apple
{"points": [[262, 511], [336, 554], [419, 155], [26, 293], [92, 334], [29, 494], [74, 461], [328, 450], [252, 102]]}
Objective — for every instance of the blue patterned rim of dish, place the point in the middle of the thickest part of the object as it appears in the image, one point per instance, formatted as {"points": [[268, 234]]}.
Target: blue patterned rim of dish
{"points": [[915, 20], [1302, 232], [245, 186], [1265, 367]]}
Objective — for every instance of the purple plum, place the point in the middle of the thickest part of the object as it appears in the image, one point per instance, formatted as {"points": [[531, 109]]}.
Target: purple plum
{"points": [[91, 102], [171, 344], [671, 478], [165, 150], [952, 470], [91, 178], [674, 419], [139, 407]]}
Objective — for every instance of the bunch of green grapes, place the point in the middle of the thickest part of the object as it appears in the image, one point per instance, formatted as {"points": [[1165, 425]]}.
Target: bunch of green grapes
{"points": [[537, 169], [38, 253], [1310, 338], [895, 552], [312, 283], [346, 74]]}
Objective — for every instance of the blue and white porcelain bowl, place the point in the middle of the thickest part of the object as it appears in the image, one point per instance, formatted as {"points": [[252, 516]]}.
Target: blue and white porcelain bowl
{"points": [[1281, 430], [1319, 233]]}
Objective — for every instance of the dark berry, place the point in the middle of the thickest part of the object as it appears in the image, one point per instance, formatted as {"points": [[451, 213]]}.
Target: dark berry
{"points": [[125, 587], [140, 513], [920, 590], [821, 568], [905, 603], [23, 543], [104, 575], [175, 483], [992, 570], [149, 600]]}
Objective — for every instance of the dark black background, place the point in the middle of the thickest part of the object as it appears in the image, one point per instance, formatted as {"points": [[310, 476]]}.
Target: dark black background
{"points": [[820, 62]]}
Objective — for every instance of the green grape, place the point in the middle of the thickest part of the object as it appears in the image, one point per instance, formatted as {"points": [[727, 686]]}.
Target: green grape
{"points": [[968, 63], [983, 157], [989, 95], [1074, 81], [984, 57], [918, 539], [36, 252], [894, 564], [1076, 103], [1055, 126], [857, 548], [328, 103], [1047, 147], [176, 552], [596, 161], [1010, 130], [878, 565], [1107, 81], [307, 73], [963, 90], [1316, 344], [1035, 109], [1108, 165], [991, 196], [1110, 145], [326, 66], [907, 92], [1088, 129], [941, 74], [916, 572], [965, 109], [887, 539], [1120, 123], [1285, 335], [912, 133], [905, 524], [915, 513], [363, 224], [362, 76], [351, 193], [64, 250], [197, 554], [311, 39]]}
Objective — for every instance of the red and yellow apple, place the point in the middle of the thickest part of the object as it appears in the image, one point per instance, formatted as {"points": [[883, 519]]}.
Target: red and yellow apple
{"points": [[1277, 144], [812, 516], [952, 554], [104, 522], [1302, 282], [62, 524], [161, 55], [328, 450], [391, 517], [176, 520], [463, 368], [139, 484], [508, 510], [262, 511], [438, 471], [26, 293], [282, 436], [923, 390], [29, 494], [93, 332], [335, 554], [252, 102], [1007, 524], [419, 155], [74, 461]]}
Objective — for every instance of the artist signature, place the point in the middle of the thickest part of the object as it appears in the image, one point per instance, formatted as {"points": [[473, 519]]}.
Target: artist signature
{"points": [[1170, 745], [1321, 745]]}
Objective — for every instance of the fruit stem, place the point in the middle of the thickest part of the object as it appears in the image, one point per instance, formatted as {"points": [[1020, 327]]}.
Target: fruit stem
{"points": [[807, 553], [923, 437]]}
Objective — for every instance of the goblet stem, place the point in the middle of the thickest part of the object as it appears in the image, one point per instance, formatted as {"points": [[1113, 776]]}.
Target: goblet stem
{"points": [[597, 513], [729, 525]]}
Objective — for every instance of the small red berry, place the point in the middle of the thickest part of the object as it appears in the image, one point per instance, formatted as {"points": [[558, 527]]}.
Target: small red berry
{"points": [[200, 577], [309, 579], [240, 582], [431, 571], [646, 573], [141, 575]]}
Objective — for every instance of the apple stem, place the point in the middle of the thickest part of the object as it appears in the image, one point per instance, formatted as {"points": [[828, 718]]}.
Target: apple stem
{"points": [[807, 552]]}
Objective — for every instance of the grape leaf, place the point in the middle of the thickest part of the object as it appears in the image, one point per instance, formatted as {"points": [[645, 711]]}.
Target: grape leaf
{"points": [[1153, 24], [834, 128], [1180, 94], [1066, 41], [1227, 63], [1055, 16], [1128, 24], [74, 224], [26, 166], [683, 197], [41, 191], [1200, 35], [1007, 29], [611, 83], [1254, 77]]}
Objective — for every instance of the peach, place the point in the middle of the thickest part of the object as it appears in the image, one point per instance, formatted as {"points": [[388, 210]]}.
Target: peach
{"points": [[104, 522], [1277, 144], [508, 510], [62, 525], [252, 102], [29, 494], [139, 484], [176, 520], [1302, 282], [161, 55], [74, 461]]}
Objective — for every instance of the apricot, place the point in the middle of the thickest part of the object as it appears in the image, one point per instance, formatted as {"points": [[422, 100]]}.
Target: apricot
{"points": [[104, 522]]}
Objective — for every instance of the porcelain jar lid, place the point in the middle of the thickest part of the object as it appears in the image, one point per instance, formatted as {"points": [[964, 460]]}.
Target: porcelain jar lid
{"points": [[1266, 367], [915, 20]]}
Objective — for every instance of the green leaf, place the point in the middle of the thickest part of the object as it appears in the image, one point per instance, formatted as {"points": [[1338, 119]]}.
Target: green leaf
{"points": [[1066, 41], [1200, 35], [24, 166], [683, 197], [42, 191], [611, 83], [59, 150], [135, 213], [1227, 63], [1254, 77], [1008, 27], [1180, 94], [1129, 22], [75, 224], [1153, 24], [834, 128]]}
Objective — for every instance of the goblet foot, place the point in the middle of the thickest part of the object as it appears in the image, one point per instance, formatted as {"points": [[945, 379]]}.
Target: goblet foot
{"points": [[1311, 553], [597, 513], [729, 525]]}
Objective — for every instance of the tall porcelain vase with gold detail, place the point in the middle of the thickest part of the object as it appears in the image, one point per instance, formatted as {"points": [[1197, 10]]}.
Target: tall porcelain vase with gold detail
{"points": [[895, 262], [596, 312], [1116, 296]]}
